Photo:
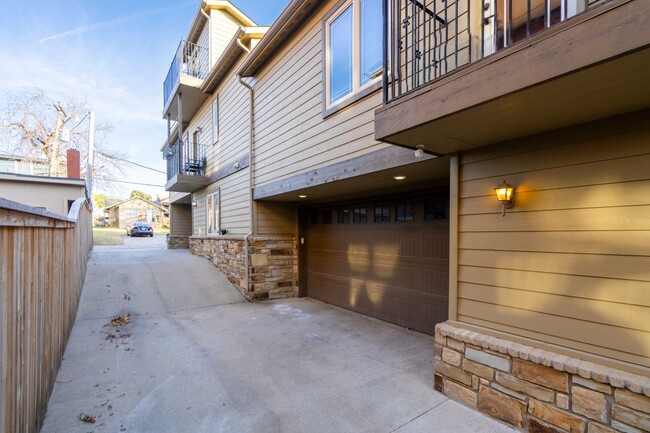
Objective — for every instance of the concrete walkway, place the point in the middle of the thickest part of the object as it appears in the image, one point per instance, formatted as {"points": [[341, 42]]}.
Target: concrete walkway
{"points": [[197, 358]]}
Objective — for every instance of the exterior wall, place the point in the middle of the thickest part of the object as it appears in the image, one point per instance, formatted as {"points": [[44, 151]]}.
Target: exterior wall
{"points": [[535, 390], [276, 219], [53, 194], [291, 135], [224, 27], [569, 264], [272, 261], [234, 205], [180, 220]]}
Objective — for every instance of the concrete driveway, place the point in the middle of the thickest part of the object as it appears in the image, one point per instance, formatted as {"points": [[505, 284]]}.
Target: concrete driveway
{"points": [[197, 358]]}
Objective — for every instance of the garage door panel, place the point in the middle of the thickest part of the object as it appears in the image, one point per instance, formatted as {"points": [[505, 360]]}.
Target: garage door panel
{"points": [[394, 271]]}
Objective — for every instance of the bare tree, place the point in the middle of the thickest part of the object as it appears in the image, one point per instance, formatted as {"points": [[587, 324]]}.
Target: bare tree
{"points": [[35, 127]]}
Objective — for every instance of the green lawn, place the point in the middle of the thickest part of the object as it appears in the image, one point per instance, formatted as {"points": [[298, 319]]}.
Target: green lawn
{"points": [[104, 236]]}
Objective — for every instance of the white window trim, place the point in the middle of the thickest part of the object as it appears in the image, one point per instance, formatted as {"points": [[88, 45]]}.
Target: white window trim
{"points": [[358, 91], [217, 228]]}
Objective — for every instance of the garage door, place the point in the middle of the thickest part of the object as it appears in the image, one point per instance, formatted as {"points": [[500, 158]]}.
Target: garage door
{"points": [[387, 259]]}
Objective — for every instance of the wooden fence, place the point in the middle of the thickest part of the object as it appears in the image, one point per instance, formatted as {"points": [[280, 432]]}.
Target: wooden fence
{"points": [[43, 260]]}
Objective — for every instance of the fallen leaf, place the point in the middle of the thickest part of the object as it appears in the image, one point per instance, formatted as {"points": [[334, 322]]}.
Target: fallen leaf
{"points": [[87, 418]]}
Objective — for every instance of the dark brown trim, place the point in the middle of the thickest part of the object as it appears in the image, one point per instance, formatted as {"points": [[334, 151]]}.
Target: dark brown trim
{"points": [[383, 159], [240, 164]]}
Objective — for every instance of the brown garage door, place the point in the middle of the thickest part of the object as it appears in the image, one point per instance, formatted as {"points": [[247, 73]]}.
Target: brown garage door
{"points": [[387, 259]]}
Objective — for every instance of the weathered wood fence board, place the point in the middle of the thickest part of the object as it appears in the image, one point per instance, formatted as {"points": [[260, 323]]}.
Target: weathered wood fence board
{"points": [[43, 261]]}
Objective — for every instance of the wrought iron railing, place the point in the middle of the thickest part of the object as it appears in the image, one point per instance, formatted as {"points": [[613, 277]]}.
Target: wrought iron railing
{"points": [[427, 39], [191, 60], [185, 158]]}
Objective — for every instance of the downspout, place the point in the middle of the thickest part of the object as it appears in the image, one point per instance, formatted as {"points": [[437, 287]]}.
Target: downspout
{"points": [[251, 122]]}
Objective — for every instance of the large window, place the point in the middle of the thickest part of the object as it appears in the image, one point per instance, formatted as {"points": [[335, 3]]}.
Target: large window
{"points": [[212, 206], [354, 49]]}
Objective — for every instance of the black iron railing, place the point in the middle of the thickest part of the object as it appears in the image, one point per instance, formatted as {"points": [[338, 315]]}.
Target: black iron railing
{"points": [[427, 39], [185, 158], [191, 60]]}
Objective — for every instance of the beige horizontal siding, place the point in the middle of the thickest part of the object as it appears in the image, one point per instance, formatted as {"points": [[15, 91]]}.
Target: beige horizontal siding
{"points": [[569, 264], [234, 204], [223, 30], [180, 220], [291, 136], [276, 219]]}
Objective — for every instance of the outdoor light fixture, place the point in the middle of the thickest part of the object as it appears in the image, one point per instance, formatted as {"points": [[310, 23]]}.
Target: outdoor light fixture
{"points": [[302, 196], [504, 195], [419, 152], [399, 177], [194, 204]]}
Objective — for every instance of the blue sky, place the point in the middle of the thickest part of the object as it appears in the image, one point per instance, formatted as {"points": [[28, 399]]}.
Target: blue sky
{"points": [[113, 53]]}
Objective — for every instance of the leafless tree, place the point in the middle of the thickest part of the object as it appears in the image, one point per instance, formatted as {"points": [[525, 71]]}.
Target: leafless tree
{"points": [[29, 123]]}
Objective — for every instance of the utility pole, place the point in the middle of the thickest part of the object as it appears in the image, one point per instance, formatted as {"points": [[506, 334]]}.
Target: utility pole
{"points": [[91, 154], [54, 156]]}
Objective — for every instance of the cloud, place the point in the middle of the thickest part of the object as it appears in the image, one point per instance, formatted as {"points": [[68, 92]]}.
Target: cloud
{"points": [[112, 23]]}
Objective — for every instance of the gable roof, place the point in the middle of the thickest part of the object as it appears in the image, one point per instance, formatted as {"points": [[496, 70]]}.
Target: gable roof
{"points": [[118, 204], [199, 19], [292, 18]]}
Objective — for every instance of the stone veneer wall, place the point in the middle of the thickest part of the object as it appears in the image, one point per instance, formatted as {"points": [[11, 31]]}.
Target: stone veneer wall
{"points": [[273, 263], [535, 390], [178, 242]]}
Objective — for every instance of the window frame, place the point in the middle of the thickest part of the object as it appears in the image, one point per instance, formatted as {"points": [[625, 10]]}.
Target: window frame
{"points": [[358, 91], [211, 197]]}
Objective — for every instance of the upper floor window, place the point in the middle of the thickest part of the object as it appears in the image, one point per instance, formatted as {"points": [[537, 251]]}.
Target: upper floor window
{"points": [[353, 49]]}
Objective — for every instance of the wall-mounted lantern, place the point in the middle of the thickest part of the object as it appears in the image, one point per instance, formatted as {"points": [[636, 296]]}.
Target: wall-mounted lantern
{"points": [[504, 193]]}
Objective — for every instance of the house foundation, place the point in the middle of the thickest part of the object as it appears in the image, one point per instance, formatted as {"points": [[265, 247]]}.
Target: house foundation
{"points": [[272, 263], [178, 242], [538, 391]]}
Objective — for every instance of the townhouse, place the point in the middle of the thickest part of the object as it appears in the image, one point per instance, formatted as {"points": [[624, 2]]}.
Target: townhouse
{"points": [[351, 152]]}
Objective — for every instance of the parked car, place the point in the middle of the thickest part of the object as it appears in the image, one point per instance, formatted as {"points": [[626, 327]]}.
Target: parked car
{"points": [[139, 229], [101, 223]]}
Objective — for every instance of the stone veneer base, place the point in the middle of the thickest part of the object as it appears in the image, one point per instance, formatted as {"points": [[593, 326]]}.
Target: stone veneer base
{"points": [[273, 263], [178, 242], [536, 390]]}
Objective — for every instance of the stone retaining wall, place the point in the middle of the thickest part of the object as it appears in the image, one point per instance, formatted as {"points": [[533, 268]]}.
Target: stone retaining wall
{"points": [[273, 263], [178, 242], [535, 390]]}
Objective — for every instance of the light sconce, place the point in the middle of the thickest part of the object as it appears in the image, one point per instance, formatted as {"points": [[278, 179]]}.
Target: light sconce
{"points": [[504, 193], [419, 151], [194, 204]]}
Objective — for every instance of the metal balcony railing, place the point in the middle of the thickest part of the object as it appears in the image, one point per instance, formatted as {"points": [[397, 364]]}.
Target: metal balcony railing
{"points": [[185, 158], [191, 60], [427, 39]]}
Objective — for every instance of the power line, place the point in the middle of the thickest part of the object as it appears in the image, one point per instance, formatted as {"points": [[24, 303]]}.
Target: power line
{"points": [[131, 162], [132, 183]]}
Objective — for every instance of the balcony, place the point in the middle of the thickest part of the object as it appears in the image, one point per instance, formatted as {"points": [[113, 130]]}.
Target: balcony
{"points": [[468, 73], [189, 68], [186, 167]]}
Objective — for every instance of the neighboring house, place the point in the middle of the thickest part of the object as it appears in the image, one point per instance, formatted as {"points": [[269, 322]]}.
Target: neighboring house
{"points": [[135, 209], [285, 178], [31, 185]]}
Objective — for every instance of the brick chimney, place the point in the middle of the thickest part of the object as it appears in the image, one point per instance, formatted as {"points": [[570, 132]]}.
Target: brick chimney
{"points": [[74, 171]]}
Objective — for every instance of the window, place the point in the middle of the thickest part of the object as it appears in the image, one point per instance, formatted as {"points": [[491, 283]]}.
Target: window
{"points": [[354, 49], [435, 210], [343, 216], [404, 212], [213, 207], [359, 215], [327, 217], [382, 214], [215, 120]]}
